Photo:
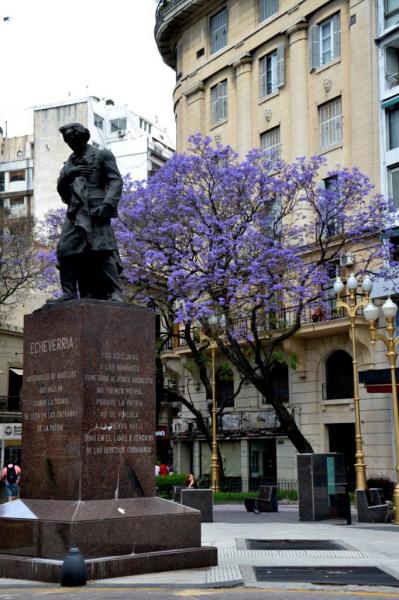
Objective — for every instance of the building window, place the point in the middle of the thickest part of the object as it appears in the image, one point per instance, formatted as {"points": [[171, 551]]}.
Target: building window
{"points": [[267, 8], [391, 12], [218, 27], [391, 66], [330, 122], [17, 175], [392, 127], [391, 245], [225, 387], [331, 225], [98, 121], [219, 102], [2, 182], [339, 376], [325, 42], [271, 71], [270, 141], [117, 125], [279, 384], [393, 183], [145, 125]]}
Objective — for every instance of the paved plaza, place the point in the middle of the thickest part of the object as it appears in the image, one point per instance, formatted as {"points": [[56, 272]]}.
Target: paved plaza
{"points": [[238, 534]]}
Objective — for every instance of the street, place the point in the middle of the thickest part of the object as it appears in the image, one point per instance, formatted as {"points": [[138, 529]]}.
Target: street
{"points": [[97, 592]]}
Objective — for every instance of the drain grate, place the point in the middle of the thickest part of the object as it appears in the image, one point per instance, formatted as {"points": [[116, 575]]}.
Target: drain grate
{"points": [[293, 545], [327, 575]]}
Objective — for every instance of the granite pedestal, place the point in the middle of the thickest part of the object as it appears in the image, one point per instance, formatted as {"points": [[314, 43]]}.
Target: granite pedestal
{"points": [[88, 451]]}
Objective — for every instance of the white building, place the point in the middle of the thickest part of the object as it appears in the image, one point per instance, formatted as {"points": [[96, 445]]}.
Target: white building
{"points": [[140, 146]]}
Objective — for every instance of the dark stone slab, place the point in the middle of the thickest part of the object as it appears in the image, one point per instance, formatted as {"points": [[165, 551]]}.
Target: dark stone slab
{"points": [[48, 528], [202, 500], [327, 575], [35, 569], [319, 477], [88, 402]]}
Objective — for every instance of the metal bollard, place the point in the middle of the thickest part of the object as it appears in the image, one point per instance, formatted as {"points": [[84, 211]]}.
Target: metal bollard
{"points": [[73, 572]]}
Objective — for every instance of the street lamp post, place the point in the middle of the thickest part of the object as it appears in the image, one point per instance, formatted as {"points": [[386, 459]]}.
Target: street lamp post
{"points": [[391, 342], [215, 468], [351, 307], [214, 323]]}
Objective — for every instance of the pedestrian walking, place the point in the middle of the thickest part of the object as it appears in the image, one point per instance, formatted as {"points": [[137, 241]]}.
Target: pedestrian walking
{"points": [[11, 475]]}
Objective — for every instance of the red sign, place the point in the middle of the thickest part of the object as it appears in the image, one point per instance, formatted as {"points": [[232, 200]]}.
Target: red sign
{"points": [[162, 432]]}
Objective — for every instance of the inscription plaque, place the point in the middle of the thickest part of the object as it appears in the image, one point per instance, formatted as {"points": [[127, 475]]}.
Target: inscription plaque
{"points": [[88, 402]]}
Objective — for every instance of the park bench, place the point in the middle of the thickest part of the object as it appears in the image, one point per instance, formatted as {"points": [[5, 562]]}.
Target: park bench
{"points": [[371, 508], [265, 502]]}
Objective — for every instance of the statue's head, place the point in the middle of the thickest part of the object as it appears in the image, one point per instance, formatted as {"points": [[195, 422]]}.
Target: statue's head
{"points": [[75, 135]]}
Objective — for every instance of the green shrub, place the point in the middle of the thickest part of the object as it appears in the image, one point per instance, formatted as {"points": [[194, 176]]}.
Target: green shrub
{"points": [[165, 483], [238, 497], [287, 495]]}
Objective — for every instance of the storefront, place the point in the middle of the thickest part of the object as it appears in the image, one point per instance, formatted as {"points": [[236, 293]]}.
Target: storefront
{"points": [[10, 443]]}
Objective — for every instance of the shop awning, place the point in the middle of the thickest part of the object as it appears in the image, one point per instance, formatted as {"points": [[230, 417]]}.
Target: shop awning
{"points": [[19, 372]]}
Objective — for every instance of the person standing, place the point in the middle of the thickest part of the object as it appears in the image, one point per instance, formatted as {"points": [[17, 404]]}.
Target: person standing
{"points": [[11, 475]]}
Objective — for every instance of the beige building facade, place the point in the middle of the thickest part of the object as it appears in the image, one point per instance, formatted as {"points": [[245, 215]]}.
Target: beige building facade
{"points": [[303, 78]]}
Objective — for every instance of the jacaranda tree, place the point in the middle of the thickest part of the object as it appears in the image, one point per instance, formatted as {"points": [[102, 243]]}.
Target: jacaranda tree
{"points": [[21, 267], [240, 249]]}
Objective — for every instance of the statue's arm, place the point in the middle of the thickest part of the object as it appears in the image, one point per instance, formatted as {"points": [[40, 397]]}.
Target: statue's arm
{"points": [[114, 181], [64, 184]]}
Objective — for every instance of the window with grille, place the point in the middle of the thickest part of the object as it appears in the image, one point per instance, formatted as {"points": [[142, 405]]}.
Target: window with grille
{"points": [[271, 71], [325, 42], [270, 140], [391, 12], [2, 182], [267, 8], [218, 30], [117, 125], [219, 102], [330, 123]]}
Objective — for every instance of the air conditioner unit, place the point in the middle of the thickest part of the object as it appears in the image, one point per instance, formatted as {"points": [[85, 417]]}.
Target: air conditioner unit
{"points": [[347, 260]]}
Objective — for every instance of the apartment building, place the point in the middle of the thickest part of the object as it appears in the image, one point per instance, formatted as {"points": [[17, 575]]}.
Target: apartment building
{"points": [[303, 78], [16, 193], [139, 145]]}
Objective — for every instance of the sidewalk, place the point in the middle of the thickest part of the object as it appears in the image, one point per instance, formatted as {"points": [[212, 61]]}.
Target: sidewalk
{"points": [[360, 545]]}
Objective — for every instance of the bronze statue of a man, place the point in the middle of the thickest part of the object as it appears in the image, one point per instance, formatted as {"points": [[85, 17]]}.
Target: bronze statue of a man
{"points": [[87, 252]]}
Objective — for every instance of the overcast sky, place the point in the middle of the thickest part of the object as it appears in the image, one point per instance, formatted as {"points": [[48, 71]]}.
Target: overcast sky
{"points": [[53, 49]]}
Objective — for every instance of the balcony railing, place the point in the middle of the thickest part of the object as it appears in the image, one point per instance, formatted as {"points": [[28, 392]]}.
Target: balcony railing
{"points": [[279, 320]]}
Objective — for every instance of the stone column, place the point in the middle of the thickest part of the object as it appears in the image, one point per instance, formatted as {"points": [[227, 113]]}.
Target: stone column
{"points": [[195, 109], [298, 82], [243, 68], [244, 465]]}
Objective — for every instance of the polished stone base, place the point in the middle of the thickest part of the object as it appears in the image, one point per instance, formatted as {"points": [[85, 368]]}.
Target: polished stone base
{"points": [[116, 537], [42, 569]]}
